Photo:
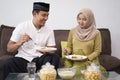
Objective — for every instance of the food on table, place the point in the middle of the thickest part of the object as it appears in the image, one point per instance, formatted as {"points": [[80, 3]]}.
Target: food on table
{"points": [[92, 72], [66, 73], [48, 75], [88, 75], [47, 72]]}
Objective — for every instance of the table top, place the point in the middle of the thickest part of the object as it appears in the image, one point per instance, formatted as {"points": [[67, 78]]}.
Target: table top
{"points": [[24, 76]]}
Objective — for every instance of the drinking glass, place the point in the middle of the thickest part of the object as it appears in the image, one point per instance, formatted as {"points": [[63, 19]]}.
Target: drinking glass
{"points": [[31, 68]]}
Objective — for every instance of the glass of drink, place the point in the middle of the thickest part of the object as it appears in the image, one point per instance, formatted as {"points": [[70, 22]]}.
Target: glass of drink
{"points": [[31, 68]]}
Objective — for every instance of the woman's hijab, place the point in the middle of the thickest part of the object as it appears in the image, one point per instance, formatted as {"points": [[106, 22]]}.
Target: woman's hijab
{"points": [[91, 31]]}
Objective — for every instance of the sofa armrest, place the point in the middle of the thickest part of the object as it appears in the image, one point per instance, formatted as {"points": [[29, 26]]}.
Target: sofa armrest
{"points": [[109, 62]]}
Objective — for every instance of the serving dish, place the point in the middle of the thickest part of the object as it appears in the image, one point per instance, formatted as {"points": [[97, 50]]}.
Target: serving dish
{"points": [[76, 57], [66, 73], [46, 49]]}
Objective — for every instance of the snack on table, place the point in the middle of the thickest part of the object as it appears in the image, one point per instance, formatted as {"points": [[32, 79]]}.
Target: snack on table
{"points": [[47, 72], [92, 72], [91, 75], [66, 73], [47, 75]]}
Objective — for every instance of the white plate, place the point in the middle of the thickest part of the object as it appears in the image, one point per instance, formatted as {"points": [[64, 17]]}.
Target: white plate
{"points": [[76, 57], [46, 49]]}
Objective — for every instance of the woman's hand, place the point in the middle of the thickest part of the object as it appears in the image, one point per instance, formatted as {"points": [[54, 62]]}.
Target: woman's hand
{"points": [[66, 51], [87, 59]]}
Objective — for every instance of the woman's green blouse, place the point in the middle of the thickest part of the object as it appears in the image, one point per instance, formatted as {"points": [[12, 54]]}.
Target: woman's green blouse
{"points": [[91, 48]]}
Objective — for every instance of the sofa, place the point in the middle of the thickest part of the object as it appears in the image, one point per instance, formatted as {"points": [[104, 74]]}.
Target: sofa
{"points": [[110, 63]]}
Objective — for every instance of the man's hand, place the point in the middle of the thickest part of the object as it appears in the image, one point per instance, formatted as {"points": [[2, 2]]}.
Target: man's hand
{"points": [[24, 38], [13, 46]]}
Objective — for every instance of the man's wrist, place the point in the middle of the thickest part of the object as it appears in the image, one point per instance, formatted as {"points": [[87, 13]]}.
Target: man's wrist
{"points": [[19, 44]]}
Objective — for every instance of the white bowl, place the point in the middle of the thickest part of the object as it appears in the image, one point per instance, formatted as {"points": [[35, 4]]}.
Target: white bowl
{"points": [[66, 73]]}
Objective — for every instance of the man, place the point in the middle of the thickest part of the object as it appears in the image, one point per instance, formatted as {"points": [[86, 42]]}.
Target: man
{"points": [[26, 37]]}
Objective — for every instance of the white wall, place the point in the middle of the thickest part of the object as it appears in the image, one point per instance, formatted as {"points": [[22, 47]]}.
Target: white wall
{"points": [[63, 15]]}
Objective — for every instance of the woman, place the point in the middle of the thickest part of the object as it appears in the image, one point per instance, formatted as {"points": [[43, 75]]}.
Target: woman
{"points": [[85, 40]]}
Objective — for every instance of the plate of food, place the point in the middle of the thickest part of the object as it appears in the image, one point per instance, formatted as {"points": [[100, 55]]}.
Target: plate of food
{"points": [[76, 57], [46, 49]]}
